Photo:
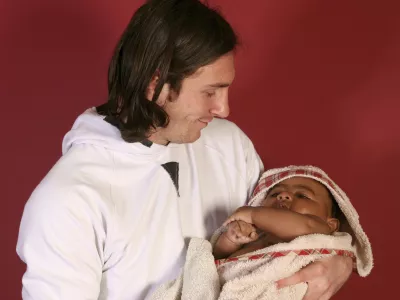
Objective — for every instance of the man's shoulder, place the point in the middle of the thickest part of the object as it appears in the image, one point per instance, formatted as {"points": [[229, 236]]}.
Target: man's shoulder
{"points": [[224, 137], [78, 179], [222, 129]]}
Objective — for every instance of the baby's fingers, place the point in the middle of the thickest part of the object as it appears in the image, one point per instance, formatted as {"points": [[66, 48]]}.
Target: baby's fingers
{"points": [[244, 239], [229, 220], [253, 235], [226, 222]]}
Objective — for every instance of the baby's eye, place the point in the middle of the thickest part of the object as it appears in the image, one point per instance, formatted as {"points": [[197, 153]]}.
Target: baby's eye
{"points": [[273, 195], [303, 196]]}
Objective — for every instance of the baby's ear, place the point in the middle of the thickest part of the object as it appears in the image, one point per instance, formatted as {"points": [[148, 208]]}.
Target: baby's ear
{"points": [[333, 224]]}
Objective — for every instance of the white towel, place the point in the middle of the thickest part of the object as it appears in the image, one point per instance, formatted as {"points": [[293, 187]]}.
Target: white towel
{"points": [[253, 275], [198, 279]]}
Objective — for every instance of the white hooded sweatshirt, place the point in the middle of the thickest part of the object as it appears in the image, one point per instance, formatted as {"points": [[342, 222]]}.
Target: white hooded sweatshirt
{"points": [[111, 218]]}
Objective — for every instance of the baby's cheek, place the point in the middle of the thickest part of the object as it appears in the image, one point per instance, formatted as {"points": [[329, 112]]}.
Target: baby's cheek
{"points": [[306, 209], [269, 202], [301, 208], [302, 211]]}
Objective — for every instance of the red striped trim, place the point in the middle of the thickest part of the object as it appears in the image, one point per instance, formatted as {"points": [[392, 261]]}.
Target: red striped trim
{"points": [[276, 254], [267, 182]]}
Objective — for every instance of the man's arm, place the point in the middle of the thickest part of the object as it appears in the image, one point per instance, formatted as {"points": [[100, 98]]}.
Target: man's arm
{"points": [[60, 240], [324, 277]]}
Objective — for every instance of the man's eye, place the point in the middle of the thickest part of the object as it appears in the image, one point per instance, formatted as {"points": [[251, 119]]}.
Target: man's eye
{"points": [[210, 95]]}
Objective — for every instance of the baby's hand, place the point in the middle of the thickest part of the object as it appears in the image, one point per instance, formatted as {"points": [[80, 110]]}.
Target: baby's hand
{"points": [[240, 232], [244, 213]]}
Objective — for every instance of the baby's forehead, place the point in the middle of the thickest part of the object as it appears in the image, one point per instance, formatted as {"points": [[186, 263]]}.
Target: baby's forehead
{"points": [[299, 181]]}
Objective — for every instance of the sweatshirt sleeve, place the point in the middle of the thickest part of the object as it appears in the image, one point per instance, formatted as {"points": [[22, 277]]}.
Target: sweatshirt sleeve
{"points": [[255, 168], [61, 241], [254, 165]]}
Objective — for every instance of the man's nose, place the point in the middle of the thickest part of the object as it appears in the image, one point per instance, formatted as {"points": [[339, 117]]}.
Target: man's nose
{"points": [[220, 107]]}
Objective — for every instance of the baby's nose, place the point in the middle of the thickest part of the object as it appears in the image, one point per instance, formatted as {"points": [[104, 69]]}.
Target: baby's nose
{"points": [[284, 196]]}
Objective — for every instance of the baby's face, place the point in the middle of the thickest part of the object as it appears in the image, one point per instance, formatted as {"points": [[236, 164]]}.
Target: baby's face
{"points": [[302, 195]]}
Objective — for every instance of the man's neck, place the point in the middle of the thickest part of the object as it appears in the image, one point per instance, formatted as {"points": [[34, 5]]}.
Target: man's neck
{"points": [[158, 138]]}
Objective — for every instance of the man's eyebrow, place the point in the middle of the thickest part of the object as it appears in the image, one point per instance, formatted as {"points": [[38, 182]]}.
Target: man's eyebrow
{"points": [[219, 85]]}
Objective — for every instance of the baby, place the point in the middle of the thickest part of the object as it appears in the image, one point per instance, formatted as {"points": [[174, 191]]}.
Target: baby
{"points": [[291, 221], [294, 207]]}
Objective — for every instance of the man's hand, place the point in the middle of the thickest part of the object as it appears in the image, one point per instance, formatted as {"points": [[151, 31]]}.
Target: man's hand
{"points": [[324, 277], [243, 213], [240, 232]]}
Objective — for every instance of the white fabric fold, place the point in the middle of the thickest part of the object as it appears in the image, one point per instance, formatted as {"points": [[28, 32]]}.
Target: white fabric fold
{"points": [[251, 276]]}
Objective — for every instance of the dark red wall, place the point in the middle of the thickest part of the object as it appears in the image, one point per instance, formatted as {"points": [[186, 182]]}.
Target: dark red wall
{"points": [[318, 82]]}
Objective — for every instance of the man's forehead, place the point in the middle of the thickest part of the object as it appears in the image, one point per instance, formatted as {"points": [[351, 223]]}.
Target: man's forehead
{"points": [[219, 73]]}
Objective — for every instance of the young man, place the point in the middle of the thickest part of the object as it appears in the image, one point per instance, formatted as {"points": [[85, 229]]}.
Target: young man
{"points": [[152, 167]]}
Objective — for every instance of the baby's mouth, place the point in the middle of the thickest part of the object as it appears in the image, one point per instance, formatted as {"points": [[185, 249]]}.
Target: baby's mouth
{"points": [[282, 206]]}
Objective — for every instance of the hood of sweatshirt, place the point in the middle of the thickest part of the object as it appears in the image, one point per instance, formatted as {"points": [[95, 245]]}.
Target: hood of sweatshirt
{"points": [[91, 128]]}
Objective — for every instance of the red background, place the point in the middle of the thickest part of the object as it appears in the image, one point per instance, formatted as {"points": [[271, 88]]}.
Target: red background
{"points": [[317, 83]]}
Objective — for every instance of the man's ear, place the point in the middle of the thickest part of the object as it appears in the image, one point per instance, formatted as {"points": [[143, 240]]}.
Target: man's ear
{"points": [[152, 87], [333, 224], [164, 94]]}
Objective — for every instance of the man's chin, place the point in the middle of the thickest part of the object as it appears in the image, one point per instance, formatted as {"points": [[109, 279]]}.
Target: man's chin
{"points": [[187, 139], [192, 138]]}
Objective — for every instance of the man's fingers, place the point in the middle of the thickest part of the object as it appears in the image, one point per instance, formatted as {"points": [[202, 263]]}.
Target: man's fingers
{"points": [[313, 294], [294, 279], [313, 291], [322, 283], [308, 274]]}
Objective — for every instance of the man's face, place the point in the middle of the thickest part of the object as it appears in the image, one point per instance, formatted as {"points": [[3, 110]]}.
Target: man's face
{"points": [[302, 195], [203, 96]]}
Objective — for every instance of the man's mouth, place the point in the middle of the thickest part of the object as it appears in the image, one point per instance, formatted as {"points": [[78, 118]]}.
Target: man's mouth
{"points": [[206, 120]]}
